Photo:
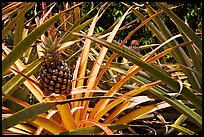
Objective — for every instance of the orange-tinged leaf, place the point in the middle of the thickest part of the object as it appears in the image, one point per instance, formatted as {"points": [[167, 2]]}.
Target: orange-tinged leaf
{"points": [[122, 43], [111, 58], [66, 115], [20, 102], [76, 12], [102, 126], [76, 91], [40, 129], [150, 60], [21, 129], [27, 113], [135, 114], [150, 54], [94, 130], [124, 98], [153, 70], [49, 125], [83, 62], [98, 63], [116, 112], [11, 7], [84, 54], [141, 112], [46, 15], [74, 104]]}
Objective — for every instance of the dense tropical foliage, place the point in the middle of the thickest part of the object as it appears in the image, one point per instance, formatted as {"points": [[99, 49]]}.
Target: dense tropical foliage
{"points": [[135, 68]]}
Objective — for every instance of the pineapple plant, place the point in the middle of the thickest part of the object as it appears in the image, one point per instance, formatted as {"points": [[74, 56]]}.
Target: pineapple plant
{"points": [[54, 75], [140, 101]]}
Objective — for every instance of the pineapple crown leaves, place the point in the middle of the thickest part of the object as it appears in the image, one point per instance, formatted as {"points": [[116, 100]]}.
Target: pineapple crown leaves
{"points": [[50, 48], [51, 45]]}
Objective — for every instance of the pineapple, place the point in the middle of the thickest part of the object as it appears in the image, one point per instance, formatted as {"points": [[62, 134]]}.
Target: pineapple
{"points": [[54, 75], [135, 45]]}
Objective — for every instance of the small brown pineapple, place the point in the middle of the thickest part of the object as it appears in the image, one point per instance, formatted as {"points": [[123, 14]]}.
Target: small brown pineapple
{"points": [[54, 75], [135, 45]]}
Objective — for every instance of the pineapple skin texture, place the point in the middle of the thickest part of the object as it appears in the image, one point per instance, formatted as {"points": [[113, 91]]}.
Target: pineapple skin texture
{"points": [[54, 77]]}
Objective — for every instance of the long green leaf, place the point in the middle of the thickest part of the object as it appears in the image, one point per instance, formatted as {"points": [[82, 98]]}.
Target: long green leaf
{"points": [[193, 116], [94, 130], [26, 114], [17, 80], [178, 53], [159, 92], [196, 59], [39, 108], [78, 28], [182, 129], [17, 18], [22, 46], [186, 30], [18, 31], [127, 53]]}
